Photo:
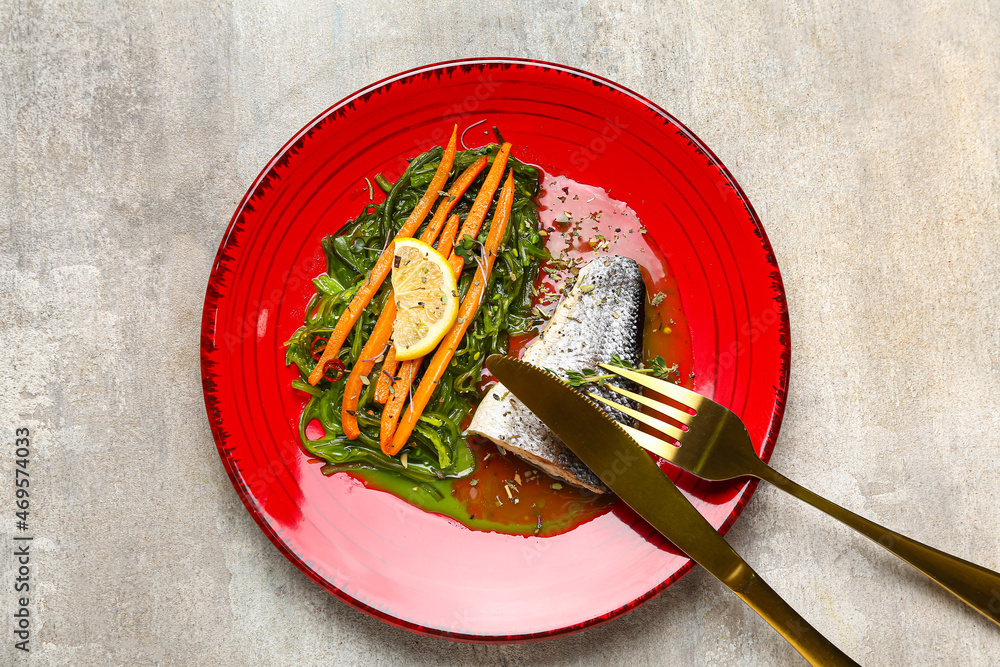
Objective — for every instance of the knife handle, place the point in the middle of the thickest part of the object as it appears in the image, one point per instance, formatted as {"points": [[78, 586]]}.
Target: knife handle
{"points": [[973, 584], [806, 639]]}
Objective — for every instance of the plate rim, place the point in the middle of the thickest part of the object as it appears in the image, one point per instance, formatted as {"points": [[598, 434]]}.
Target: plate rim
{"points": [[212, 296]]}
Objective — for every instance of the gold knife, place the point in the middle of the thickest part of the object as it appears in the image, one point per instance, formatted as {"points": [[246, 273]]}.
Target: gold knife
{"points": [[628, 471]]}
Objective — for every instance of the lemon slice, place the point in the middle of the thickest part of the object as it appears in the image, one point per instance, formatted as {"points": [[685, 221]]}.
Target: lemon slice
{"points": [[426, 298]]}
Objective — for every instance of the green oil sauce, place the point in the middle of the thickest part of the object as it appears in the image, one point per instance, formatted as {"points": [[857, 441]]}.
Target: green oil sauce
{"points": [[504, 494]]}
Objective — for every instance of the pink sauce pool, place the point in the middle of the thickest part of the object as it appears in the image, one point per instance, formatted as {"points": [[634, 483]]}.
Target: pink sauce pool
{"points": [[583, 222]]}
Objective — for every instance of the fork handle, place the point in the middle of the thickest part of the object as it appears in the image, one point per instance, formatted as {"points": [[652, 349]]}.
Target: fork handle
{"points": [[975, 585]]}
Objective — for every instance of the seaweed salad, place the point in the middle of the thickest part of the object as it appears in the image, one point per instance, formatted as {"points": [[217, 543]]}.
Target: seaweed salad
{"points": [[353, 410]]}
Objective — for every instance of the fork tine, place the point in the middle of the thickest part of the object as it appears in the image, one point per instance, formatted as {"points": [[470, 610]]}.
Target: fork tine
{"points": [[658, 424], [669, 389], [651, 443], [669, 410]]}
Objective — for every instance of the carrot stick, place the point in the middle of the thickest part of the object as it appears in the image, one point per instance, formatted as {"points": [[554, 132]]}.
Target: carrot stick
{"points": [[385, 376], [408, 370], [481, 206], [449, 345], [355, 384], [455, 193], [447, 240], [392, 410], [380, 335], [473, 222], [384, 264]]}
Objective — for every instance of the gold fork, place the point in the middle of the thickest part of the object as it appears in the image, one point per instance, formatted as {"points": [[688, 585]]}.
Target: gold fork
{"points": [[713, 444]]}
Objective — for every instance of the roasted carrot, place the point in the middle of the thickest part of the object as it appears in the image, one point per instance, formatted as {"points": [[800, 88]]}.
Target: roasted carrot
{"points": [[397, 397], [481, 206], [401, 382], [449, 345], [384, 264], [385, 376], [359, 374], [382, 332], [474, 220], [374, 347], [455, 193]]}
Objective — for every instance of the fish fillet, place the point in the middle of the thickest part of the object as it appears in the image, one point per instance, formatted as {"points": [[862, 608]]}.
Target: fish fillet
{"points": [[602, 316]]}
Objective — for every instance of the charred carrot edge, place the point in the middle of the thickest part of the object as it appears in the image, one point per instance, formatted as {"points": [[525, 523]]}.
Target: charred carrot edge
{"points": [[383, 326], [393, 408], [470, 304], [385, 376], [384, 263]]}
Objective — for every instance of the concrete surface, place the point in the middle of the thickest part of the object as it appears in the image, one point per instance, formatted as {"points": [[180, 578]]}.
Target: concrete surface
{"points": [[867, 136]]}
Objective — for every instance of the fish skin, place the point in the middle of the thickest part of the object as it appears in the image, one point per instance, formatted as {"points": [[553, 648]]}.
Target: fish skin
{"points": [[587, 328]]}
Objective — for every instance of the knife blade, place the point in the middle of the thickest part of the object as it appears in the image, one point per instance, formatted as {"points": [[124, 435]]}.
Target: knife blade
{"points": [[634, 477]]}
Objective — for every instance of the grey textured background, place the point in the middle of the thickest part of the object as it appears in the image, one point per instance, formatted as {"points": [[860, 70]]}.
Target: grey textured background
{"points": [[866, 135]]}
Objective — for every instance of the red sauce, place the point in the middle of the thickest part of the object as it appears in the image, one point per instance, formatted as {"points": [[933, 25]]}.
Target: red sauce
{"points": [[508, 491], [584, 222]]}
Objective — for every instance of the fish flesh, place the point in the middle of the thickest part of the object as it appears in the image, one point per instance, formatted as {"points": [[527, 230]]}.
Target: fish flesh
{"points": [[602, 316]]}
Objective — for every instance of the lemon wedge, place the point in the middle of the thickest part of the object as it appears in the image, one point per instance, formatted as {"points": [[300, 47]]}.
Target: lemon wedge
{"points": [[426, 298]]}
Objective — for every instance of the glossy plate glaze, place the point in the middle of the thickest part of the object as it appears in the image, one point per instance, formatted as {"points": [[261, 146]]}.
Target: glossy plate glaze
{"points": [[421, 571]]}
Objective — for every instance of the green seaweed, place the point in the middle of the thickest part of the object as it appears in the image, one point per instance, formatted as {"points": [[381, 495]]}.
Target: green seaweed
{"points": [[437, 450]]}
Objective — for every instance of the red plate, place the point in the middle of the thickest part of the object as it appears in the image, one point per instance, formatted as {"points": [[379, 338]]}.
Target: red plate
{"points": [[418, 570]]}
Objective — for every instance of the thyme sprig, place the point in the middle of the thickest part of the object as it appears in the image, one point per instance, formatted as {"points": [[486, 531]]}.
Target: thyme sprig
{"points": [[656, 367]]}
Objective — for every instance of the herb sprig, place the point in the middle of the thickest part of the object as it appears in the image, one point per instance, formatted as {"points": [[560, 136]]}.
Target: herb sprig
{"points": [[656, 367]]}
